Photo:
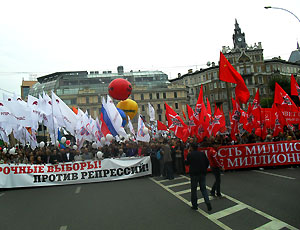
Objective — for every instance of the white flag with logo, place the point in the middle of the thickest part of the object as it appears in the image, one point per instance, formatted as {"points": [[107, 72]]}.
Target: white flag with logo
{"points": [[141, 135]]}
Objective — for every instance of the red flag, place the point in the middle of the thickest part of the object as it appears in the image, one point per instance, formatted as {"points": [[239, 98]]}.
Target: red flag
{"points": [[283, 100], [161, 126], [235, 119], [183, 114], [295, 89], [75, 110], [229, 74], [278, 120], [176, 123], [256, 110], [199, 106], [250, 120], [218, 123], [192, 127], [208, 108]]}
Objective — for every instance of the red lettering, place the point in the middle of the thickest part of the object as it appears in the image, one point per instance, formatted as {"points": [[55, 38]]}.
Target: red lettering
{"points": [[6, 170], [83, 165], [69, 167], [22, 169], [0, 169], [50, 168], [90, 166], [14, 169], [76, 166], [41, 169], [57, 169], [29, 169]]}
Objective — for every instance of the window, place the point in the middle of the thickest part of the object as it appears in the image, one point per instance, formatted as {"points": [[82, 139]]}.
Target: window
{"points": [[159, 117], [242, 70], [87, 100], [74, 101], [150, 96], [258, 69], [142, 96], [164, 95], [210, 86], [211, 97], [215, 85], [157, 95], [165, 106], [223, 85], [224, 95], [175, 94], [143, 108], [158, 106], [268, 68], [260, 80], [248, 70], [216, 96], [176, 105], [215, 76]]}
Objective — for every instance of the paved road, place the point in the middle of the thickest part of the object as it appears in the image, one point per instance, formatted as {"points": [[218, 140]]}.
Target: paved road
{"points": [[268, 198]]}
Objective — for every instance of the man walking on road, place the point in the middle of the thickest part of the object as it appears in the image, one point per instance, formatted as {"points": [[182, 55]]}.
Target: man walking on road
{"points": [[216, 168], [198, 163]]}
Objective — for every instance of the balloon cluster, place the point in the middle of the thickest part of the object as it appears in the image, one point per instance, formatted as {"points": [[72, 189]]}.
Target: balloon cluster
{"points": [[120, 89]]}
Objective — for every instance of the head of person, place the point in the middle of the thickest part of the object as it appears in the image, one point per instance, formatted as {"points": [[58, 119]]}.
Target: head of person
{"points": [[194, 146]]}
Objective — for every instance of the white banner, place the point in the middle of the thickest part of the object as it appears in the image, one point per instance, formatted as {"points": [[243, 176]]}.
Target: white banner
{"points": [[22, 175]]}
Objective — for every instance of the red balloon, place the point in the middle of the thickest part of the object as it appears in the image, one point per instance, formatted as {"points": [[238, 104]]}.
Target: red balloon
{"points": [[68, 142], [119, 89]]}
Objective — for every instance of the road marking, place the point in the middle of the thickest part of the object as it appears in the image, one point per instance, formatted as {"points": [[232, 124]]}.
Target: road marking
{"points": [[274, 224], [176, 178], [63, 227], [178, 184], [223, 226], [1, 194], [273, 174], [228, 211], [78, 190]]}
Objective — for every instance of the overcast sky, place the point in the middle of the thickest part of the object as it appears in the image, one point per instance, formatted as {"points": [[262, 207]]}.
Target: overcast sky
{"points": [[41, 37]]}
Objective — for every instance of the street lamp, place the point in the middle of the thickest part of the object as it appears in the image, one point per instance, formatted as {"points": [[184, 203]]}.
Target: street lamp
{"points": [[278, 8]]}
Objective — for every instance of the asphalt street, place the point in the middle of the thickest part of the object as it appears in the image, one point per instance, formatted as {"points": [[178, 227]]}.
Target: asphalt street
{"points": [[253, 199]]}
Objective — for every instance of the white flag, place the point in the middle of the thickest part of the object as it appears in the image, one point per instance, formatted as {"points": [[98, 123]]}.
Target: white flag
{"points": [[130, 126], [114, 116], [151, 112], [141, 135]]}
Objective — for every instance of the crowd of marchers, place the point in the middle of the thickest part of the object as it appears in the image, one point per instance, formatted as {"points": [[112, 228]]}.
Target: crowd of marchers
{"points": [[167, 154]]}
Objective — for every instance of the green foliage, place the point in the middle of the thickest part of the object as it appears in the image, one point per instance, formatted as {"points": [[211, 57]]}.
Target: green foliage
{"points": [[285, 83], [266, 102]]}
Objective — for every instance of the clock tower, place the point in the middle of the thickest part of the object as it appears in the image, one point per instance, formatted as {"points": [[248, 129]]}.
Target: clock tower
{"points": [[238, 37]]}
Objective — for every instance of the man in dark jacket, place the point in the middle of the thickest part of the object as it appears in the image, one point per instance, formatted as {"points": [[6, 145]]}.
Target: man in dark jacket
{"points": [[198, 163]]}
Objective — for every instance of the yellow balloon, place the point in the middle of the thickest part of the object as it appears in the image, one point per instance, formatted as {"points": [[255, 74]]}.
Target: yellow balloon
{"points": [[129, 106]]}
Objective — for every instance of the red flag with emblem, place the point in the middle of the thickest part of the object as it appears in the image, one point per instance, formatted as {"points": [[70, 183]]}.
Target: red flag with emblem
{"points": [[295, 89], [218, 122], [283, 100], [192, 127], [176, 124], [278, 121]]}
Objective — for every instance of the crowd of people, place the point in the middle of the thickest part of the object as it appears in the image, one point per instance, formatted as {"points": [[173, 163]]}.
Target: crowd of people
{"points": [[167, 153]]}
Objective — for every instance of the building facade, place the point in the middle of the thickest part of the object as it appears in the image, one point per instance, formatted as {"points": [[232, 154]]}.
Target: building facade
{"points": [[249, 62], [85, 89]]}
